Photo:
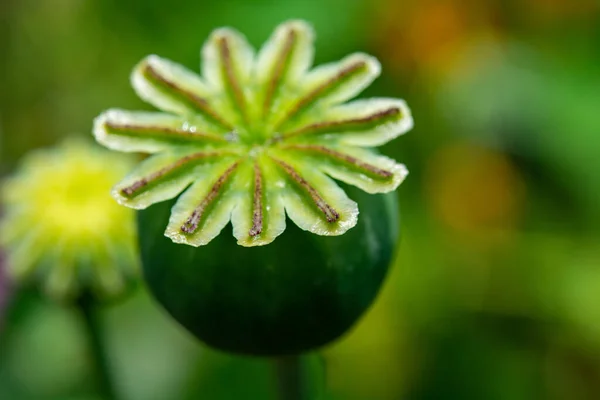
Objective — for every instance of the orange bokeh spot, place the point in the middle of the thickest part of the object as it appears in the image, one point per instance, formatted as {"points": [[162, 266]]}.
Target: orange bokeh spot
{"points": [[473, 189], [429, 35]]}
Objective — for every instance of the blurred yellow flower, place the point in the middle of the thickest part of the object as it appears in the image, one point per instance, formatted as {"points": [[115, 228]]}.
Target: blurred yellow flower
{"points": [[61, 226]]}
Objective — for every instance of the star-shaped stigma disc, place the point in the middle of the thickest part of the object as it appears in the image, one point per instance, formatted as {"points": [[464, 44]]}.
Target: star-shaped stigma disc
{"points": [[256, 137]]}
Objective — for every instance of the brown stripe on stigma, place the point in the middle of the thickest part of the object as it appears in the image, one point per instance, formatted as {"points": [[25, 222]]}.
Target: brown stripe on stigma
{"points": [[230, 75], [257, 213], [330, 213], [282, 61], [191, 224], [345, 125], [162, 131], [342, 157], [341, 76], [199, 103], [133, 189]]}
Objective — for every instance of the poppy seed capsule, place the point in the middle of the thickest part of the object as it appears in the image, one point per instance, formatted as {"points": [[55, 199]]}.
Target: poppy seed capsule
{"points": [[259, 137]]}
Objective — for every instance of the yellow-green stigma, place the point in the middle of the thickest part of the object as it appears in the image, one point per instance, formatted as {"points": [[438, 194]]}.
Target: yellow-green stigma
{"points": [[260, 135]]}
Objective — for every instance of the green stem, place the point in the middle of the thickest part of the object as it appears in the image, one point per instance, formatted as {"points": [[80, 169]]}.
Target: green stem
{"points": [[291, 378], [92, 325]]}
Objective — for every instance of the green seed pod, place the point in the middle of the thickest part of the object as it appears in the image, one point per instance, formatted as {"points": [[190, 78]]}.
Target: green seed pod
{"points": [[258, 137], [296, 295]]}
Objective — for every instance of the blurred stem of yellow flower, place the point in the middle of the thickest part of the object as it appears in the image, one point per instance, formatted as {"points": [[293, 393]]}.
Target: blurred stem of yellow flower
{"points": [[92, 325], [3, 288]]}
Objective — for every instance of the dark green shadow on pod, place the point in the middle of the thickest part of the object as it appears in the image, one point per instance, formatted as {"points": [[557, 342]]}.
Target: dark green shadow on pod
{"points": [[296, 294]]}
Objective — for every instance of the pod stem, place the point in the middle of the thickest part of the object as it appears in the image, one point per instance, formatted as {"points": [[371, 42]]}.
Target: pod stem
{"points": [[93, 330], [292, 378]]}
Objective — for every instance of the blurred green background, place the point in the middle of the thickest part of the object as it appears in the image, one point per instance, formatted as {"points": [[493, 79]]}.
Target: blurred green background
{"points": [[495, 291]]}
